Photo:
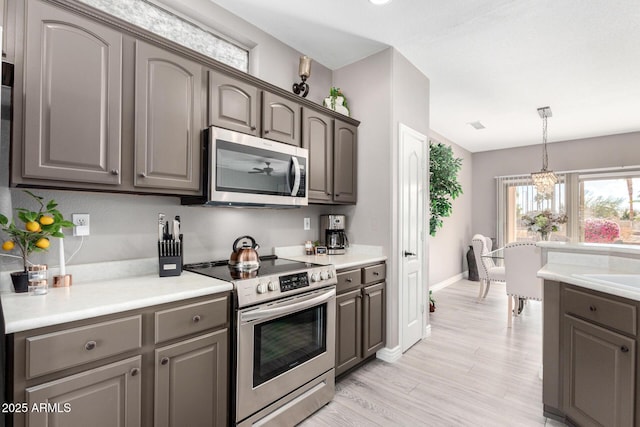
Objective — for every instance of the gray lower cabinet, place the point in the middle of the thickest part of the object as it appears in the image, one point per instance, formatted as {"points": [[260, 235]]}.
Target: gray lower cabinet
{"points": [[168, 122], [360, 315], [73, 98], [158, 366], [589, 357], [281, 119], [191, 382], [102, 397], [233, 104]]}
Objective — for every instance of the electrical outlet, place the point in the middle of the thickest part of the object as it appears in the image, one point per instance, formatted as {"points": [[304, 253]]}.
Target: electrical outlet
{"points": [[307, 223], [80, 224]]}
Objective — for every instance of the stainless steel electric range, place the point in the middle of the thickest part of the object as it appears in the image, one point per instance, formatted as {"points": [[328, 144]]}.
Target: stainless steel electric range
{"points": [[284, 341]]}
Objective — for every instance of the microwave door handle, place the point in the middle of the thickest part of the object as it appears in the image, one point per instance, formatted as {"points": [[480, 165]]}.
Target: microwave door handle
{"points": [[287, 308], [296, 180]]}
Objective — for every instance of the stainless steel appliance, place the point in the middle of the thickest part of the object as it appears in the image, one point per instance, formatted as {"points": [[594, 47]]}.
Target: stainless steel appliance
{"points": [[333, 234], [285, 339], [244, 170]]}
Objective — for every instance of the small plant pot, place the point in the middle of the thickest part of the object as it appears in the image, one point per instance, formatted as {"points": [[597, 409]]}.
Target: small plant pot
{"points": [[20, 281]]}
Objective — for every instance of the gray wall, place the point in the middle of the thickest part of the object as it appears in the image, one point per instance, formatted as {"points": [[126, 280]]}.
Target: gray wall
{"points": [[383, 90], [451, 242], [589, 153]]}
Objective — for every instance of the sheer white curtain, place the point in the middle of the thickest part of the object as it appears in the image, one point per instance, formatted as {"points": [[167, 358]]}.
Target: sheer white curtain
{"points": [[517, 196]]}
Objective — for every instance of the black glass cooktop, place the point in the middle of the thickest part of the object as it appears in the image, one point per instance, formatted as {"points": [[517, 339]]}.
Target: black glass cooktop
{"points": [[269, 265]]}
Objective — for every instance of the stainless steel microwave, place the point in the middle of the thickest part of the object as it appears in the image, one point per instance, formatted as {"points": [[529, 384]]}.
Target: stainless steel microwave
{"points": [[244, 170]]}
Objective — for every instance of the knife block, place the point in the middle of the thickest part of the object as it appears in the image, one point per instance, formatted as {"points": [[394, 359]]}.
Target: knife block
{"points": [[169, 265]]}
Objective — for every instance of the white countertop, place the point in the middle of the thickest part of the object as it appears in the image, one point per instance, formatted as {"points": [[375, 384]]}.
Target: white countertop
{"points": [[85, 300], [356, 255], [576, 263]]}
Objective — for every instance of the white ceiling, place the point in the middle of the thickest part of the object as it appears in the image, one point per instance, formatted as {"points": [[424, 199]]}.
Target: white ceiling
{"points": [[493, 61]]}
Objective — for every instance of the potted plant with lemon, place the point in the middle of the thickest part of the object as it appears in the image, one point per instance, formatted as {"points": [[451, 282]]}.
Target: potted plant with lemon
{"points": [[39, 226]]}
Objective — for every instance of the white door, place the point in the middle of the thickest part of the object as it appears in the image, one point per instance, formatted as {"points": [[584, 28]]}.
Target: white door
{"points": [[413, 183]]}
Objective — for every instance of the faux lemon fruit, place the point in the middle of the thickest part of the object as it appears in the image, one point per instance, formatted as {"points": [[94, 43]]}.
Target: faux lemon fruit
{"points": [[32, 226], [46, 220], [43, 243], [8, 245]]}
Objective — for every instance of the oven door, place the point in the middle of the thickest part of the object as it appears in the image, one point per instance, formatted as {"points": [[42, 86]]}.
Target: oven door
{"points": [[282, 346]]}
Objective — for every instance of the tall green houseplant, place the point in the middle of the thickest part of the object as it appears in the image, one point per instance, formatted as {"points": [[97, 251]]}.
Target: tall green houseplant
{"points": [[443, 183]]}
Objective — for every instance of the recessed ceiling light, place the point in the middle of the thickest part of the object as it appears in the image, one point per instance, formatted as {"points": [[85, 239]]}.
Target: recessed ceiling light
{"points": [[477, 125], [379, 2]]}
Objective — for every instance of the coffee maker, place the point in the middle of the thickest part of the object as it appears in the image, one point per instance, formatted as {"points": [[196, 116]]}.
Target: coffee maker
{"points": [[332, 234]]}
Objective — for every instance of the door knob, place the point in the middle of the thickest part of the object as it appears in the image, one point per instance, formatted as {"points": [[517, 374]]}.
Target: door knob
{"points": [[409, 253]]}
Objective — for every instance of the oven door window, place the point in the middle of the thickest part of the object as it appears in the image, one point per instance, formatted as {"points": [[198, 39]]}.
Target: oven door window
{"points": [[282, 344], [245, 169]]}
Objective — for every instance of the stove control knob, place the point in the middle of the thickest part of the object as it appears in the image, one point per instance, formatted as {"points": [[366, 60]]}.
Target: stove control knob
{"points": [[324, 275], [329, 274], [262, 288], [272, 286], [315, 277]]}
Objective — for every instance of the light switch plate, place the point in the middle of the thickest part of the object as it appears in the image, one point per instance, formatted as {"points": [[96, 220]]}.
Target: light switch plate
{"points": [[307, 223]]}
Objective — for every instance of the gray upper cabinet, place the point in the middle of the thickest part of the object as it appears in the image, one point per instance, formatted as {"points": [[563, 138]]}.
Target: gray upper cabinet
{"points": [[280, 119], [73, 97], [233, 104], [169, 119], [345, 162], [317, 137]]}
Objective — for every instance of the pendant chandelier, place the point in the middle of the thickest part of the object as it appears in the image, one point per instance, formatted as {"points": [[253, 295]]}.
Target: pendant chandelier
{"points": [[544, 180]]}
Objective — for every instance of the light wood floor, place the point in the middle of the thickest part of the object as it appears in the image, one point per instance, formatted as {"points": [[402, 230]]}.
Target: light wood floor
{"points": [[471, 371]]}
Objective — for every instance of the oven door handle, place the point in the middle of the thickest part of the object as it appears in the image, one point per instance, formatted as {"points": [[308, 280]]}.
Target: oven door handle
{"points": [[262, 314]]}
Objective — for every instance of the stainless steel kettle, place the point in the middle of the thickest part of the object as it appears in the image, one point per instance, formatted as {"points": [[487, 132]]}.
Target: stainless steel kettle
{"points": [[245, 258]]}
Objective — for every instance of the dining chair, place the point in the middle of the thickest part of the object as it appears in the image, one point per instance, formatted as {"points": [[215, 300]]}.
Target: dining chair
{"points": [[487, 269], [522, 260]]}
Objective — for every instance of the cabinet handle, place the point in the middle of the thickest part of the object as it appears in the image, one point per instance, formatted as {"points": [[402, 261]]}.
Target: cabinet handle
{"points": [[592, 308], [135, 371], [328, 193], [349, 280], [196, 318], [406, 253], [90, 345], [624, 349], [253, 128], [337, 194], [115, 172], [266, 131], [359, 296], [164, 360], [375, 273], [142, 175]]}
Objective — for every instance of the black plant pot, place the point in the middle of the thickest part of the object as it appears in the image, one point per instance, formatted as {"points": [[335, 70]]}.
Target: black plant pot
{"points": [[20, 281]]}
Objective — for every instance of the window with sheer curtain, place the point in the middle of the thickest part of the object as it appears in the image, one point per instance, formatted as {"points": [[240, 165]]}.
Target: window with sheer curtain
{"points": [[602, 206], [517, 196]]}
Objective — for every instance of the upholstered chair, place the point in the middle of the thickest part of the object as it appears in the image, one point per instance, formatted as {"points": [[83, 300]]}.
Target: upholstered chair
{"points": [[522, 260], [487, 269]]}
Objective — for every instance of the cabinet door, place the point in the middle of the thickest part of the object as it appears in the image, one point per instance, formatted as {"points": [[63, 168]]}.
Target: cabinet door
{"points": [[373, 319], [103, 397], [348, 330], [168, 120], [317, 137], [191, 382], [233, 104], [599, 375], [73, 101], [345, 163], [280, 119]]}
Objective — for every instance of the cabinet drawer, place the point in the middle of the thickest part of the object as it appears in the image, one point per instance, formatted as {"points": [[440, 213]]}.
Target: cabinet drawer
{"points": [[190, 319], [348, 280], [374, 273], [615, 314], [64, 349]]}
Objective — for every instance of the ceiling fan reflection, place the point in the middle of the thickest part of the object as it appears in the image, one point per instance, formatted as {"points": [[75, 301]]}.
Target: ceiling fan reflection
{"points": [[267, 170]]}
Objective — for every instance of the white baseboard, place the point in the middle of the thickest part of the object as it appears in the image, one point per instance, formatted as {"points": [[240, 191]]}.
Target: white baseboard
{"points": [[390, 355], [450, 281], [427, 331]]}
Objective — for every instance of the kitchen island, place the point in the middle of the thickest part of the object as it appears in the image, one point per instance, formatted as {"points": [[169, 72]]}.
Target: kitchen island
{"points": [[590, 333]]}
